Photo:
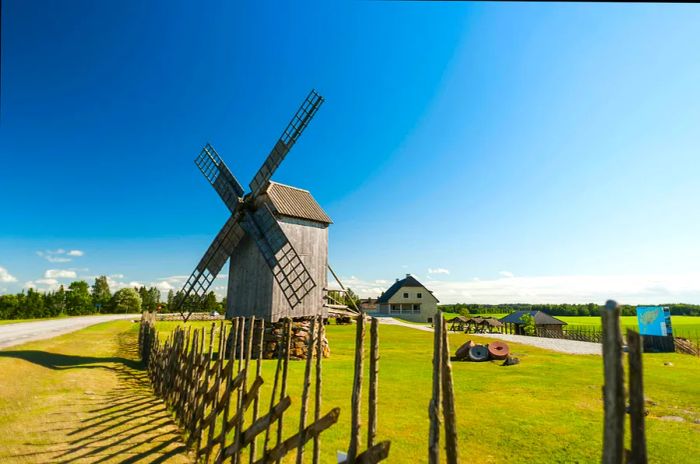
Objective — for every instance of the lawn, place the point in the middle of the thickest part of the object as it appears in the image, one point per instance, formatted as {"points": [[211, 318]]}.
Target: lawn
{"points": [[547, 409], [83, 395]]}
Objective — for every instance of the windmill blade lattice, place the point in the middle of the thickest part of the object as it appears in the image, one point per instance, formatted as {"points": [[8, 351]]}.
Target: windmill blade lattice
{"points": [[301, 119], [289, 271], [213, 260], [219, 176]]}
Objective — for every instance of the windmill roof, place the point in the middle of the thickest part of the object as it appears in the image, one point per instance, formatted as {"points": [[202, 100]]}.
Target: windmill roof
{"points": [[408, 281], [295, 202], [540, 318]]}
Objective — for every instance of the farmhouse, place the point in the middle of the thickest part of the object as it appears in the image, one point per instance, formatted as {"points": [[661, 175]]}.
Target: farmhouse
{"points": [[543, 322], [408, 299]]}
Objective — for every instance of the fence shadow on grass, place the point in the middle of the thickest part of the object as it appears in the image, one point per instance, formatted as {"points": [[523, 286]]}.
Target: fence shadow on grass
{"points": [[60, 361], [126, 424]]}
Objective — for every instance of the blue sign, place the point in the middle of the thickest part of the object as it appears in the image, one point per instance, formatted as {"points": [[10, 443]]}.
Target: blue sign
{"points": [[654, 320]]}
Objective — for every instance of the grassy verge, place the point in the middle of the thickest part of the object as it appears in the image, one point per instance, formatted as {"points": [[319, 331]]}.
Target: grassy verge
{"points": [[82, 397], [547, 409]]}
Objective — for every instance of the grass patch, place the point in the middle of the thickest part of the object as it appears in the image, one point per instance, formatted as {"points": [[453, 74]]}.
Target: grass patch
{"points": [[83, 397], [547, 409]]}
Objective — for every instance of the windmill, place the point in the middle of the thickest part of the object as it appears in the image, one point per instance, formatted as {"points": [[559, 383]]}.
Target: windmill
{"points": [[276, 237]]}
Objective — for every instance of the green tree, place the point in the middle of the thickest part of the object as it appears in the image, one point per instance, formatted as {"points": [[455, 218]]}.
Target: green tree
{"points": [[210, 303], [528, 324], [78, 299], [8, 306], [170, 300], [125, 300], [56, 302], [34, 304], [101, 293]]}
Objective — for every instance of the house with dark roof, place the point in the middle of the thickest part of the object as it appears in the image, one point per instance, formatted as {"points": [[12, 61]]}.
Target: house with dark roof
{"points": [[408, 299], [543, 322]]}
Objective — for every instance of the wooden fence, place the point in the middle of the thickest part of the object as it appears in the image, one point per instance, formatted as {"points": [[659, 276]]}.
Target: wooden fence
{"points": [[206, 383]]}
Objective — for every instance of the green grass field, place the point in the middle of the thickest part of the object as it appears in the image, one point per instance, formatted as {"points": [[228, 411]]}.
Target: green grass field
{"points": [[84, 395], [547, 409], [683, 326]]}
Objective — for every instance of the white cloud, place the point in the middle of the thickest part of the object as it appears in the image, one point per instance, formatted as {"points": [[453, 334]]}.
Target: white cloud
{"points": [[627, 289], [60, 274], [163, 286], [438, 270], [506, 274], [117, 276], [43, 285], [5, 276], [59, 255], [176, 279]]}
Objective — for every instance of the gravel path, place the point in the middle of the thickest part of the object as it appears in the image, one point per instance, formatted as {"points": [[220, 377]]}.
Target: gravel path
{"points": [[554, 344], [22, 332]]}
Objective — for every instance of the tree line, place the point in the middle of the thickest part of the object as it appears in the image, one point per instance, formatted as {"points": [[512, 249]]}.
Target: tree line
{"points": [[588, 309], [79, 298]]}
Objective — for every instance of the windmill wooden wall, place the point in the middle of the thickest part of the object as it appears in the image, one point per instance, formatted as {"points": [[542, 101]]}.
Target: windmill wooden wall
{"points": [[252, 289]]}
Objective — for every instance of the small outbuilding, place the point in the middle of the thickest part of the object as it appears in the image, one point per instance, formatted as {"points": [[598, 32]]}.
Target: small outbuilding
{"points": [[543, 323]]}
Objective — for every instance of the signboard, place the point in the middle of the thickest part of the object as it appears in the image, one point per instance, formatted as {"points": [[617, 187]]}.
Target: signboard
{"points": [[654, 320]]}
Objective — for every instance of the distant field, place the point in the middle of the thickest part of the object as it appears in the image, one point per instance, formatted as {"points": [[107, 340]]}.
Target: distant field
{"points": [[683, 326]]}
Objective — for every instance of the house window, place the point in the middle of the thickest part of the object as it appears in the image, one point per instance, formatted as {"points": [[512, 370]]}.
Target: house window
{"points": [[405, 295], [395, 309], [416, 309], [420, 295]]}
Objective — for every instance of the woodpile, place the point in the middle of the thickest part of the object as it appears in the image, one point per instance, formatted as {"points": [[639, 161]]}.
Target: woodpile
{"points": [[273, 339]]}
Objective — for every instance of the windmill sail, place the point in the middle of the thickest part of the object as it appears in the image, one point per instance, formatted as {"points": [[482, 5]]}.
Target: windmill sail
{"points": [[289, 271], [219, 176], [211, 263], [301, 119]]}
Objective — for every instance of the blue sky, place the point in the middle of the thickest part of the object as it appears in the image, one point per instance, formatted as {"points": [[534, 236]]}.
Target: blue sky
{"points": [[499, 152]]}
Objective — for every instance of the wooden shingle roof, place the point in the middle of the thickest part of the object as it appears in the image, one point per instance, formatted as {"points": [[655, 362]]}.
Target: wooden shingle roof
{"points": [[295, 202]]}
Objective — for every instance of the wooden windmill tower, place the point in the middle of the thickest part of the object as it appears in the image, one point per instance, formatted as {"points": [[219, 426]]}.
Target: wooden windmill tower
{"points": [[276, 237]]}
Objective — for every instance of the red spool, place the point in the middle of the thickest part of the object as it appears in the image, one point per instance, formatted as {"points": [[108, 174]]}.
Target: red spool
{"points": [[498, 350]]}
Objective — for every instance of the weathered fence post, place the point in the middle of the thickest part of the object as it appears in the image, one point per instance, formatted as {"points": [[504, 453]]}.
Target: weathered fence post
{"points": [[319, 385], [434, 407], [636, 394], [258, 372], [357, 390], [305, 391], [613, 388], [448, 401], [373, 387]]}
